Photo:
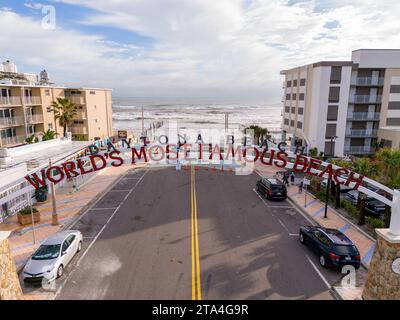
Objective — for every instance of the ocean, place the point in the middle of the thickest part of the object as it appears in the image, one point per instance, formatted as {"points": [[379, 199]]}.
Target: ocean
{"points": [[127, 114]]}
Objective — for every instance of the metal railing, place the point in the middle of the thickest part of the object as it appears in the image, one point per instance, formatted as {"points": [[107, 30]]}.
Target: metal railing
{"points": [[365, 99], [32, 100], [359, 149], [10, 101], [80, 115], [362, 132], [76, 99], [10, 141], [11, 121], [34, 118], [363, 115], [367, 81]]}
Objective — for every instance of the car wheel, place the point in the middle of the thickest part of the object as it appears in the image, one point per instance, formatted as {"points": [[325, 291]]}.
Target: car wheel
{"points": [[79, 247], [301, 238], [60, 271], [322, 261]]}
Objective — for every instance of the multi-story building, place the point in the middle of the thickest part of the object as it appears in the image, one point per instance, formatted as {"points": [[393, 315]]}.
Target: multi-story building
{"points": [[25, 110], [345, 107]]}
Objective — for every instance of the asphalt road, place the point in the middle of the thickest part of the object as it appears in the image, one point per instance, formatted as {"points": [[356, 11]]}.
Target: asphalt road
{"points": [[166, 234]]}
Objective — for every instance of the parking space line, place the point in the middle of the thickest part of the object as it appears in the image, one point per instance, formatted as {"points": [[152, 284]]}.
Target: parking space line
{"points": [[319, 272]]}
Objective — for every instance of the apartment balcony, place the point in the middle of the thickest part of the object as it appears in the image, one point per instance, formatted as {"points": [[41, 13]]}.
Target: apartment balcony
{"points": [[10, 101], [81, 115], [76, 99], [363, 116], [361, 133], [12, 141], [35, 118], [11, 122], [367, 81], [32, 101], [78, 130], [361, 150], [359, 99]]}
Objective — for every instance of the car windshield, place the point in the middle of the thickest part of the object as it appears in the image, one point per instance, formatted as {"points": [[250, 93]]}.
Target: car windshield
{"points": [[47, 252], [345, 249], [278, 187]]}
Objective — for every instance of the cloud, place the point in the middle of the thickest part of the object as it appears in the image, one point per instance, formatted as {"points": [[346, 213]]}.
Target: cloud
{"points": [[228, 48]]}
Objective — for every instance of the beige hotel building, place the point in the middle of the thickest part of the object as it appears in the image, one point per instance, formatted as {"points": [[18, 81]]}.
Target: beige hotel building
{"points": [[355, 103], [25, 104]]}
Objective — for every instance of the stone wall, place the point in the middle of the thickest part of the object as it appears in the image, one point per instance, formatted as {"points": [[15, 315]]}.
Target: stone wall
{"points": [[10, 288], [382, 283]]}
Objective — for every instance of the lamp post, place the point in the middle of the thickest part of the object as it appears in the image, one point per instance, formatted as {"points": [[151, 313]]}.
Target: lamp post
{"points": [[328, 184]]}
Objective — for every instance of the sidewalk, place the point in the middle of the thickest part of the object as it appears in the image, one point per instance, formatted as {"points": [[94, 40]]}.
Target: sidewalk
{"points": [[69, 205]]}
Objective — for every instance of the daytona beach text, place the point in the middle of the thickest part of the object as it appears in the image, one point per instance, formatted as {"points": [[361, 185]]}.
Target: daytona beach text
{"points": [[170, 153]]}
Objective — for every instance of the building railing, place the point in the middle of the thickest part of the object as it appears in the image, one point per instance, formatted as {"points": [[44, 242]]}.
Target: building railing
{"points": [[10, 141], [78, 130], [362, 132], [80, 115], [35, 118], [34, 100], [359, 149], [10, 101], [367, 81], [11, 121], [363, 115], [76, 99], [365, 99]]}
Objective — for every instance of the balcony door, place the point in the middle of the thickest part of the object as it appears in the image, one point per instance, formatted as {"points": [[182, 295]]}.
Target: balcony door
{"points": [[6, 113], [8, 133]]}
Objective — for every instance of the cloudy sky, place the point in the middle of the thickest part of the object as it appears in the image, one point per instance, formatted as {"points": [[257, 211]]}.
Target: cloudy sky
{"points": [[227, 49]]}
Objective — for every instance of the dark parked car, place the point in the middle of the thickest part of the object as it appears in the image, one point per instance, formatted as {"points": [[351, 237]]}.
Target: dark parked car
{"points": [[272, 189], [375, 208], [332, 246]]}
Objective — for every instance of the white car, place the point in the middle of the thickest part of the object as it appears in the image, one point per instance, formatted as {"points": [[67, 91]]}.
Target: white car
{"points": [[52, 257]]}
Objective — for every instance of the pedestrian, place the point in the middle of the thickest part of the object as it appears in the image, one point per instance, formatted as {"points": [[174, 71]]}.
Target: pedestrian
{"points": [[286, 178], [292, 176], [301, 187]]}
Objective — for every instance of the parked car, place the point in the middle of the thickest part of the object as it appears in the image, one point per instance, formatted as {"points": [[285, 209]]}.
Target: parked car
{"points": [[332, 246], [352, 196], [52, 257], [375, 208], [272, 189]]}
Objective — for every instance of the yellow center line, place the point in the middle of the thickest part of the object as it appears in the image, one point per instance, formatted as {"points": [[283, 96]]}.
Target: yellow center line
{"points": [[196, 282]]}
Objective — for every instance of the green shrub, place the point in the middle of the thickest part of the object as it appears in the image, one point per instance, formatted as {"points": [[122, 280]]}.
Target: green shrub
{"points": [[350, 208], [27, 211], [374, 222]]}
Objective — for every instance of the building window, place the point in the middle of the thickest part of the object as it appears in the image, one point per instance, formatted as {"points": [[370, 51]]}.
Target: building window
{"points": [[334, 93], [330, 130], [301, 96], [332, 113], [47, 92], [292, 123], [300, 111], [329, 148], [288, 84], [293, 109], [293, 96], [395, 89], [92, 92], [302, 82], [394, 105], [336, 74], [288, 96], [50, 126], [299, 125], [78, 122], [393, 121], [286, 121], [294, 83], [287, 109]]}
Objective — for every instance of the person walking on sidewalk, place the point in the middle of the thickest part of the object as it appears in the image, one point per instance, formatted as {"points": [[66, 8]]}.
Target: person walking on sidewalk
{"points": [[292, 176], [301, 187]]}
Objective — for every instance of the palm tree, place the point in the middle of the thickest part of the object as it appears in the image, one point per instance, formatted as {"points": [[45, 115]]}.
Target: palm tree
{"points": [[49, 135], [313, 152], [370, 169], [389, 160], [345, 165], [64, 111]]}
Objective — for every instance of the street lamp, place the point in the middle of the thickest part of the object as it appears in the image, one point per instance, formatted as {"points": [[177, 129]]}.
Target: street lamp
{"points": [[328, 184]]}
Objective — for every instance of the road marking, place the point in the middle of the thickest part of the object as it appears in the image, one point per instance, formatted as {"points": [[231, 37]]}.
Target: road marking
{"points": [[97, 236], [126, 190], [102, 209], [319, 272], [196, 282]]}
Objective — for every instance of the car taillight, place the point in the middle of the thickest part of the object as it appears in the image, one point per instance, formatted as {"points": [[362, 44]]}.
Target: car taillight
{"points": [[334, 256], [270, 192], [357, 257]]}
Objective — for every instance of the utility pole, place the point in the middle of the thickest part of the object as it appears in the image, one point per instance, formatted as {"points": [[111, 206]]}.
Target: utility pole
{"points": [[54, 215], [33, 220], [142, 122], [329, 181]]}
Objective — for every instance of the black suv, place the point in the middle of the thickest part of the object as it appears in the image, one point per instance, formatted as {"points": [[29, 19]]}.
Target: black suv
{"points": [[272, 189]]}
